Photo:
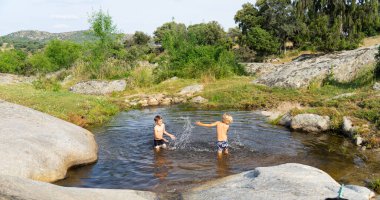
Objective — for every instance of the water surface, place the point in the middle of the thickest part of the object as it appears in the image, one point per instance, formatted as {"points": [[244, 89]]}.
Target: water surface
{"points": [[127, 159]]}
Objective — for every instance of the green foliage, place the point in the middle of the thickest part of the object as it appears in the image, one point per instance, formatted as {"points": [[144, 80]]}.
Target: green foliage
{"points": [[140, 38], [207, 33], [187, 59], [12, 61], [102, 26], [46, 84], [247, 17], [142, 77], [62, 54], [261, 41], [39, 62], [169, 28], [375, 185]]}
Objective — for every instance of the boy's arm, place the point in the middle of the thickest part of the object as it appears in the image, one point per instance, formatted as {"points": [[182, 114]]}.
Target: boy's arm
{"points": [[206, 125], [168, 134]]}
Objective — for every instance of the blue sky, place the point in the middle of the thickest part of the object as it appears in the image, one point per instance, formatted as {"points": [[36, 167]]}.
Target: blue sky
{"points": [[128, 15]]}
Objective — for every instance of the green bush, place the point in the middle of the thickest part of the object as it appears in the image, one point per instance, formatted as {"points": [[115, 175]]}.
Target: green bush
{"points": [[12, 61], [62, 54], [40, 63], [187, 59]]}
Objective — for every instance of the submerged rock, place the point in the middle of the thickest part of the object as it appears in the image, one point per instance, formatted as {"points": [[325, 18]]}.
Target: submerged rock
{"points": [[24, 189], [38, 146], [286, 182], [99, 87], [310, 123]]}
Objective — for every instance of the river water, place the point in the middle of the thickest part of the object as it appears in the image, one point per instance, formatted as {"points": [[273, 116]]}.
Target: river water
{"points": [[127, 159]]}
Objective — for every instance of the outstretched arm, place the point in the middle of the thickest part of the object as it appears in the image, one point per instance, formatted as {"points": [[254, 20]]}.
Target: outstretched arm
{"points": [[206, 125], [168, 134]]}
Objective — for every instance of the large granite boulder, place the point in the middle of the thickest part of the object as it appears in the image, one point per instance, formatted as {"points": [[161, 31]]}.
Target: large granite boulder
{"points": [[310, 123], [344, 66], [38, 146], [12, 188], [286, 182], [99, 87]]}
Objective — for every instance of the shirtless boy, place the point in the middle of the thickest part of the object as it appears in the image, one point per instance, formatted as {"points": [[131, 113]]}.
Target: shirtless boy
{"points": [[221, 132], [159, 131]]}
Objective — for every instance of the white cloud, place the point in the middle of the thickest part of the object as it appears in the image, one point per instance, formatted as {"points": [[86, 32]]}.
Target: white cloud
{"points": [[65, 16]]}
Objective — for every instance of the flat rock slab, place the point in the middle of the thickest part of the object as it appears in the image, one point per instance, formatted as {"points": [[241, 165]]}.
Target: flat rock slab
{"points": [[24, 189], [190, 90], [344, 66], [286, 182], [99, 87], [6, 79], [41, 147]]}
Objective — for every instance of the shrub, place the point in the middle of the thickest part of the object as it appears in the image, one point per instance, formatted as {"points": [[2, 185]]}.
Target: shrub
{"points": [[62, 54], [40, 63], [12, 61], [187, 59], [141, 76]]}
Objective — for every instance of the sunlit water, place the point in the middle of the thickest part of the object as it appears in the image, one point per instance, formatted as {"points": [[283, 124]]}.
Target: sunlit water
{"points": [[127, 158]]}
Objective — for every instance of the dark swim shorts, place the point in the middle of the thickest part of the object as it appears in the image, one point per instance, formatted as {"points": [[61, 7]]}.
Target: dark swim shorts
{"points": [[222, 145], [158, 142]]}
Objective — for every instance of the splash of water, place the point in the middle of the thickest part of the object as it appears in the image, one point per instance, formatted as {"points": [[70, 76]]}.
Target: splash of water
{"points": [[183, 138]]}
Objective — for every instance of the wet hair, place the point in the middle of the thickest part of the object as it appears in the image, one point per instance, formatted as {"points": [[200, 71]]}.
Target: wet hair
{"points": [[227, 118], [156, 118]]}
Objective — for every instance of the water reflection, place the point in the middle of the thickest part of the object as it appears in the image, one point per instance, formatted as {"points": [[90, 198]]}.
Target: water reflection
{"points": [[223, 166], [161, 168]]}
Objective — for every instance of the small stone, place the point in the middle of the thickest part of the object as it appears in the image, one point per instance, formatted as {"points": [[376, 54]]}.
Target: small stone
{"points": [[152, 102], [198, 100], [166, 101], [376, 86], [358, 140], [143, 102], [285, 120]]}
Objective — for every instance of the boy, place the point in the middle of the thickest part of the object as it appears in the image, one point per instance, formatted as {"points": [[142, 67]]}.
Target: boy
{"points": [[159, 131], [221, 132]]}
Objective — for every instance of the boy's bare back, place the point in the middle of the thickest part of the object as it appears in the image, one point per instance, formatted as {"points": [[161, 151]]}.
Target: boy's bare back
{"points": [[221, 131]]}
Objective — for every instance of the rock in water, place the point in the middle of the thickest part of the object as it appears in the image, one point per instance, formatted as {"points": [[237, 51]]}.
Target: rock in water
{"points": [[38, 146], [286, 182], [310, 123], [99, 87]]}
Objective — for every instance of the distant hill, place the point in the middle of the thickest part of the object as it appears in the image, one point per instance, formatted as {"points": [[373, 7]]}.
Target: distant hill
{"points": [[32, 40]]}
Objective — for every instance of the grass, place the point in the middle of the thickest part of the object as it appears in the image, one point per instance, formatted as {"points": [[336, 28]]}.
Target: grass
{"points": [[370, 41], [375, 185], [79, 109]]}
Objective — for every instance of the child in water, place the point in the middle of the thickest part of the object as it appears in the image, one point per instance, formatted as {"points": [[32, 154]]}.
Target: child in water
{"points": [[159, 131], [221, 132]]}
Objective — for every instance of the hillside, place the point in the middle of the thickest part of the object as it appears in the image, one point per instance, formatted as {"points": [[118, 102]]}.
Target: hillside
{"points": [[32, 40]]}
